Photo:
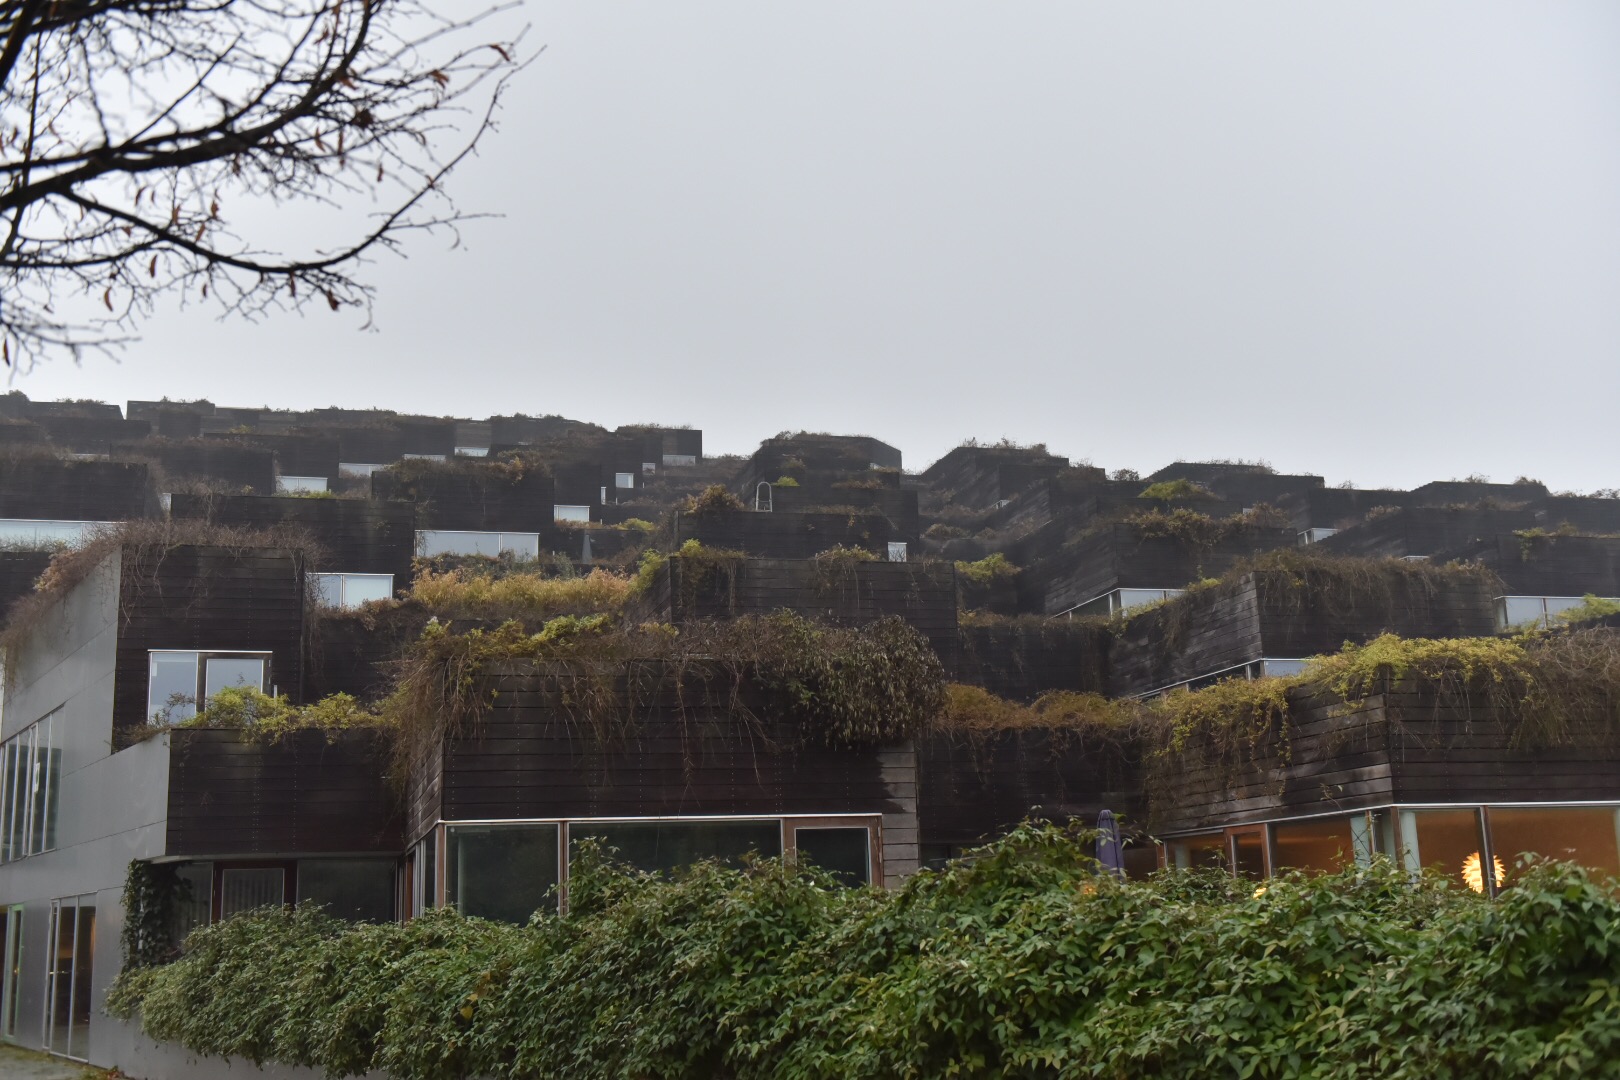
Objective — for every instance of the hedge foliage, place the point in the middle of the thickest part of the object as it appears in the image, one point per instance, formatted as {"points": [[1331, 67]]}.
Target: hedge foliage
{"points": [[1018, 962]]}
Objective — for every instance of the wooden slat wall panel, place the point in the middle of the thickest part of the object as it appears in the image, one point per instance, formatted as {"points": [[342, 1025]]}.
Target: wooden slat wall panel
{"points": [[475, 495], [923, 594], [1399, 747], [786, 534], [356, 536], [528, 757], [972, 789], [1269, 615], [218, 599], [308, 794], [1117, 557], [1023, 659], [57, 490]]}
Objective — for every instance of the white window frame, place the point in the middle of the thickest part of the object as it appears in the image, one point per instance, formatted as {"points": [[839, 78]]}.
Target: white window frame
{"points": [[575, 514], [287, 485], [342, 580], [70, 904], [361, 469], [897, 550], [432, 894], [1547, 609], [201, 674], [624, 481], [472, 451], [29, 778], [46, 533], [524, 545]]}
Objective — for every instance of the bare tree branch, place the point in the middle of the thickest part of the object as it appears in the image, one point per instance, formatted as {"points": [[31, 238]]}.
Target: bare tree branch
{"points": [[126, 127]]}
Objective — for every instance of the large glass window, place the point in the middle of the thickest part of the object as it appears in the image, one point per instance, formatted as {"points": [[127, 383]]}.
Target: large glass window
{"points": [[1249, 853], [1319, 846], [667, 845], [360, 890], [503, 872], [624, 480], [300, 484], [231, 673], [1195, 852], [352, 590], [843, 851], [38, 535], [196, 901], [1449, 842], [1520, 612], [579, 514], [1589, 835], [30, 775], [67, 993], [431, 542], [245, 888], [178, 679]]}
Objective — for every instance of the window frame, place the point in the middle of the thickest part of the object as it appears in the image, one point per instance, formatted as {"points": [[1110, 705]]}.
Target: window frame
{"points": [[29, 803], [199, 700], [531, 549], [306, 484], [343, 577], [420, 898]]}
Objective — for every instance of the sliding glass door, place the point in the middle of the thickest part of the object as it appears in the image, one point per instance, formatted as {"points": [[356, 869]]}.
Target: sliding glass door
{"points": [[67, 998]]}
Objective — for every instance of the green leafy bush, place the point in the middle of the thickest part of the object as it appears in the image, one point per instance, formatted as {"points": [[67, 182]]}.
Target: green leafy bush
{"points": [[990, 570], [1175, 489], [1019, 962]]}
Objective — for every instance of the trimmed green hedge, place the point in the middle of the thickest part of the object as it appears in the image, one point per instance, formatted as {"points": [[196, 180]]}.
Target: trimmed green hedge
{"points": [[1020, 962]]}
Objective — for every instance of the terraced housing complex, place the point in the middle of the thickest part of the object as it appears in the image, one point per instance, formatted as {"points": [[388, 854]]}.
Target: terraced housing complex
{"points": [[386, 663]]}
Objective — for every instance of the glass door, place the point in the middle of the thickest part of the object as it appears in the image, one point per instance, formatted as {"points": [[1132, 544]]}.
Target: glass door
{"points": [[67, 996], [10, 975]]}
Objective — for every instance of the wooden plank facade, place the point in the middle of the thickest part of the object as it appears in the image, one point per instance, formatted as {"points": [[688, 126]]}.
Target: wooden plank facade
{"points": [[312, 793], [208, 599], [1404, 746]]}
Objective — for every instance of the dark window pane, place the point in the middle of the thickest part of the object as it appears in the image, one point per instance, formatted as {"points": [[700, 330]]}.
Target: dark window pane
{"points": [[1321, 846], [430, 871], [1582, 834], [1251, 854], [1141, 860], [84, 948], [667, 845], [244, 890], [502, 872], [360, 890], [845, 852], [1194, 852], [1447, 841], [61, 1003], [196, 900]]}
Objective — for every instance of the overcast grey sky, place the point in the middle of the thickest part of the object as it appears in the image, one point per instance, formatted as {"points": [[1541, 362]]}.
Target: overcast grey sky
{"points": [[1379, 242]]}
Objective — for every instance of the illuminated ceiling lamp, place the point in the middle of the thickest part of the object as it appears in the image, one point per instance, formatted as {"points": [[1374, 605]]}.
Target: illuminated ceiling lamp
{"points": [[1474, 878]]}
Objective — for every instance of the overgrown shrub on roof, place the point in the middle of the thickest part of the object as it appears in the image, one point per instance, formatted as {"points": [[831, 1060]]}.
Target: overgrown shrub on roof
{"points": [[144, 543], [532, 596]]}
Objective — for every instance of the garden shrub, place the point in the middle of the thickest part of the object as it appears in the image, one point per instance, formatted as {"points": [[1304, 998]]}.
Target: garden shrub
{"points": [[1019, 961]]}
